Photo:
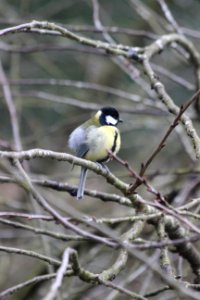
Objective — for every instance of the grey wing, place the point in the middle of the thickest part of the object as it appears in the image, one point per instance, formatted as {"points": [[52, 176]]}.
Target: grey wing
{"points": [[82, 150], [77, 142]]}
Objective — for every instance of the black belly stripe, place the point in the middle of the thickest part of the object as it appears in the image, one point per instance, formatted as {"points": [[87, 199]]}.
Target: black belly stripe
{"points": [[115, 142]]}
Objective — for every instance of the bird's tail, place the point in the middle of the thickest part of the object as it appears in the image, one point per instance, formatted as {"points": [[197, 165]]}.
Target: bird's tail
{"points": [[81, 186]]}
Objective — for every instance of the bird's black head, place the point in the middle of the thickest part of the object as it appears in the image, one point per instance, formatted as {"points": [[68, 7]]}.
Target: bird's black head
{"points": [[109, 116]]}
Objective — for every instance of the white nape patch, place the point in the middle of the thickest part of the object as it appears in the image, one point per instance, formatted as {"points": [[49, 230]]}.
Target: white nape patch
{"points": [[111, 120], [99, 113]]}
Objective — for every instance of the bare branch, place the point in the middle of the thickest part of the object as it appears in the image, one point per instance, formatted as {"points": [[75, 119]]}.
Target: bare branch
{"points": [[59, 276]]}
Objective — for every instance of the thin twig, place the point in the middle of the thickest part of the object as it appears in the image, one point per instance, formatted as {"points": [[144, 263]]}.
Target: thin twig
{"points": [[11, 109], [34, 280], [161, 145], [59, 276], [30, 253], [169, 17]]}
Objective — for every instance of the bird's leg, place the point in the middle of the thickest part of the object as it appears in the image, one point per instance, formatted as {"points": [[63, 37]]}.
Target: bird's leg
{"points": [[103, 166]]}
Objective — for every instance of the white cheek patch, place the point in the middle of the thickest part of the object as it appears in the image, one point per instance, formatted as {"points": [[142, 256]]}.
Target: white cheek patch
{"points": [[111, 120]]}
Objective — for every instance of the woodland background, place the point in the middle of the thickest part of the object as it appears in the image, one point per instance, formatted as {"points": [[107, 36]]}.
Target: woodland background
{"points": [[49, 85]]}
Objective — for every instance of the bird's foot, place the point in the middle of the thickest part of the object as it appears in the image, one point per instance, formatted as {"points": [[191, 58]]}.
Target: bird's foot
{"points": [[73, 192], [103, 167]]}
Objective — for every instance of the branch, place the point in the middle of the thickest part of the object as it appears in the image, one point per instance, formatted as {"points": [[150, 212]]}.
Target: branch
{"points": [[165, 262], [39, 256], [11, 108], [83, 85], [34, 280], [71, 189], [59, 276], [162, 143], [56, 235], [171, 224], [28, 186], [49, 27], [141, 55], [41, 153], [169, 17]]}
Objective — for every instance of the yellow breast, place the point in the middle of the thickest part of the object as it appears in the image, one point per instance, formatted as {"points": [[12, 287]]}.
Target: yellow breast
{"points": [[102, 140]]}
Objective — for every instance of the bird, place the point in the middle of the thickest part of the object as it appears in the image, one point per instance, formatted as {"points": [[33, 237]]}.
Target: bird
{"points": [[93, 140]]}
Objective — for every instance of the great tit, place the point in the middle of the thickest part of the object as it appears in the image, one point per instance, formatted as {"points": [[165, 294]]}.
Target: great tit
{"points": [[93, 139]]}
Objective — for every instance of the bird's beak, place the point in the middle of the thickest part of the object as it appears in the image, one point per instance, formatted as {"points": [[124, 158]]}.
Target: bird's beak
{"points": [[121, 121]]}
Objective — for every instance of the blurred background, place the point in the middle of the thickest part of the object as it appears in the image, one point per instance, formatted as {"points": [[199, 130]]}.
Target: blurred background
{"points": [[57, 84]]}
